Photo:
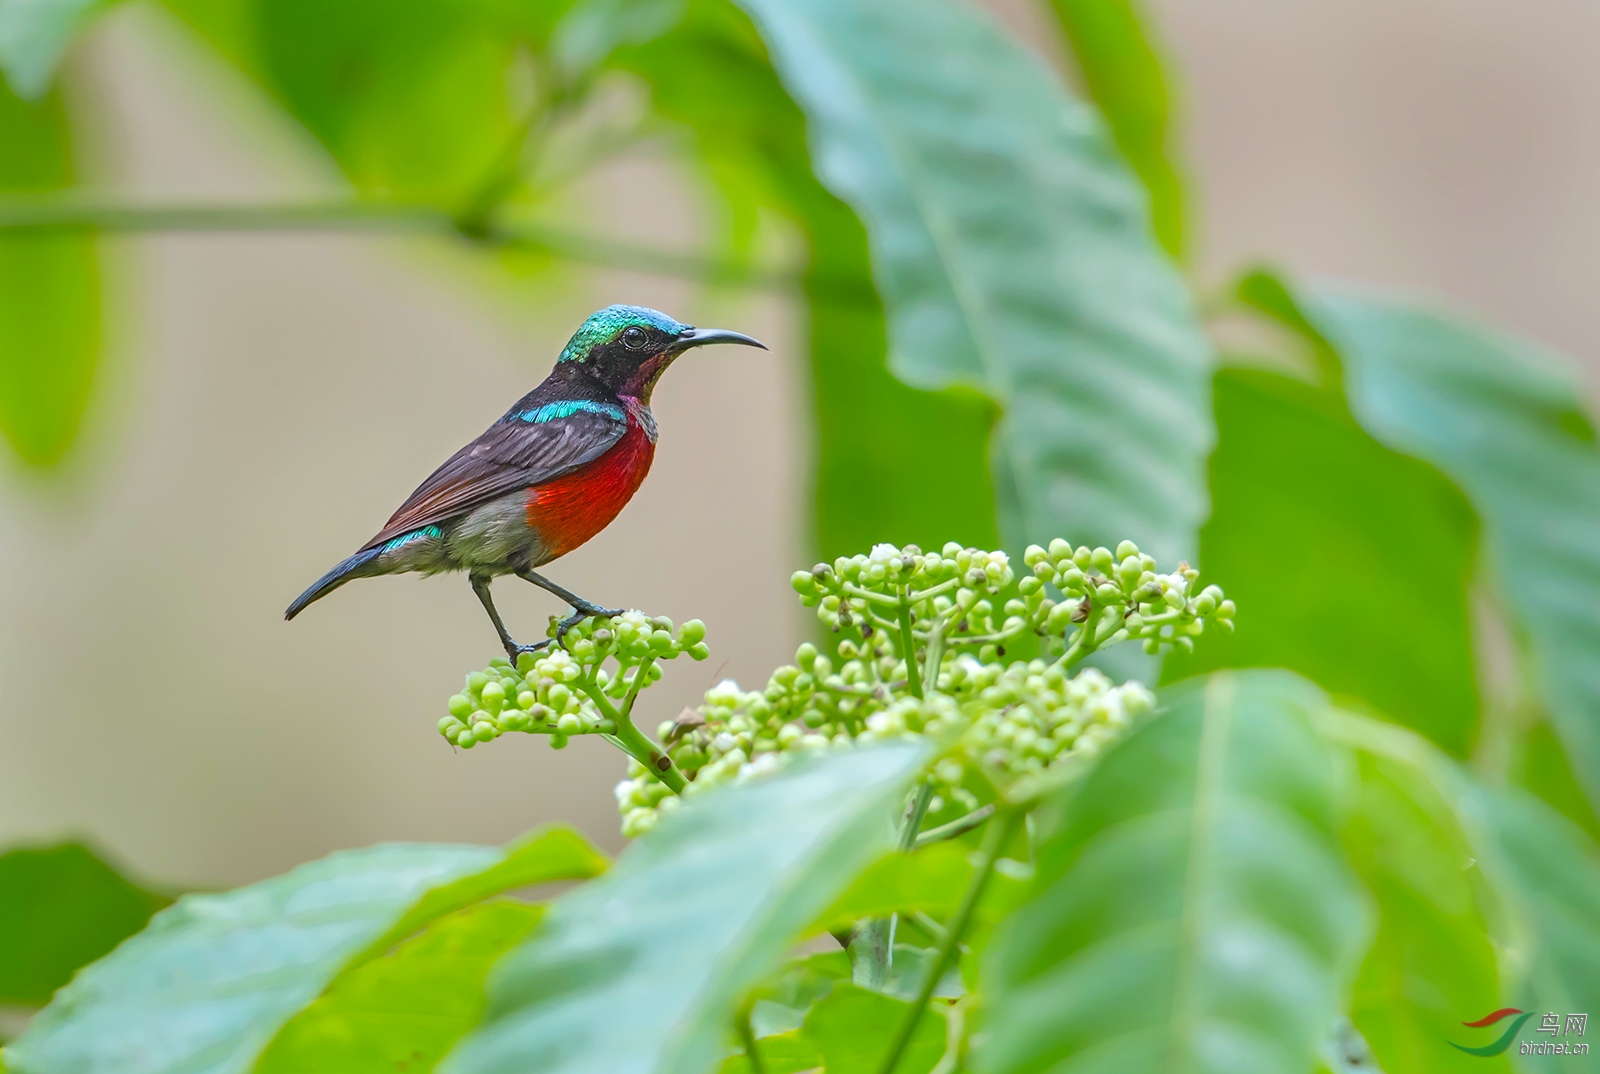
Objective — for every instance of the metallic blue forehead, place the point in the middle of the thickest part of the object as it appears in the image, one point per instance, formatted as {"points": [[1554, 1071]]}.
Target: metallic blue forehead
{"points": [[605, 325]]}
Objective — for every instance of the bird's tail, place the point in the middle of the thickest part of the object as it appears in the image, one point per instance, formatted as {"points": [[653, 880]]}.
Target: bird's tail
{"points": [[344, 572]]}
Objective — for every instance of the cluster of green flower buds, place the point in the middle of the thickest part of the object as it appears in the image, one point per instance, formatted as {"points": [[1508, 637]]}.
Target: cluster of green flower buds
{"points": [[1008, 719], [566, 691], [1007, 722], [971, 599], [957, 588], [918, 649], [1114, 596]]}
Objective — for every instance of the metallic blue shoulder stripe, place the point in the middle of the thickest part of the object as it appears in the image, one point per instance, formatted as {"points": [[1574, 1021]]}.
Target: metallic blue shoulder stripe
{"points": [[568, 407], [415, 535]]}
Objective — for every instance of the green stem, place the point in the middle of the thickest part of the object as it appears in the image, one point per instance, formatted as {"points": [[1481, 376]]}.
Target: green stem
{"points": [[908, 649], [872, 948], [747, 1035], [935, 657], [869, 595], [58, 215], [916, 809], [993, 840], [635, 742], [643, 669], [1087, 640], [959, 826], [929, 925]]}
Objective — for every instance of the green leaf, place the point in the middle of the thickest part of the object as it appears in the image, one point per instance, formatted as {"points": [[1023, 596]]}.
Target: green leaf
{"points": [[1540, 766], [853, 1027], [931, 878], [62, 907], [214, 977], [1012, 249], [49, 292], [643, 969], [780, 1004], [1432, 964], [781, 1053], [1190, 910], [1506, 422], [414, 99], [34, 34], [403, 1010], [908, 971], [1552, 870], [1463, 874], [893, 462], [552, 853], [1122, 73], [1315, 529]]}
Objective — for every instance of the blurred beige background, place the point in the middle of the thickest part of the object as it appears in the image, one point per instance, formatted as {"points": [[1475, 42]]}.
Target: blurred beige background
{"points": [[271, 398]]}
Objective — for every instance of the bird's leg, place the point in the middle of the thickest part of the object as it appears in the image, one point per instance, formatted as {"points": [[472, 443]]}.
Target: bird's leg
{"points": [[581, 609], [480, 586]]}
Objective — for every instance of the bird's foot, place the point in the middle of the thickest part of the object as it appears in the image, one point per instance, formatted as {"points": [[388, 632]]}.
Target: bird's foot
{"points": [[514, 652], [579, 614]]}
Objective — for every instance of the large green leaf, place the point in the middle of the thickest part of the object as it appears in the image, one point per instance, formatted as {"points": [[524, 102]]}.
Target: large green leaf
{"points": [[1013, 253], [62, 907], [404, 1010], [643, 969], [1122, 73], [214, 977], [414, 99], [1432, 963], [1315, 528], [1506, 422], [893, 463], [1540, 765], [1190, 910], [49, 292], [852, 1028], [1487, 898], [1553, 870]]}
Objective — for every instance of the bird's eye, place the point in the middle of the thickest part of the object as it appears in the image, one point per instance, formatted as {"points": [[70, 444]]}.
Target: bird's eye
{"points": [[633, 338]]}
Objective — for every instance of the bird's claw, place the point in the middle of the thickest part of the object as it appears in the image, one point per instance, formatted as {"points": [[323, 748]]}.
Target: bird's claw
{"points": [[579, 615], [514, 652]]}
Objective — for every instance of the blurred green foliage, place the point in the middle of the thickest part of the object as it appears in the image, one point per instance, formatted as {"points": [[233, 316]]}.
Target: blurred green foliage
{"points": [[1312, 521], [62, 907], [49, 292]]}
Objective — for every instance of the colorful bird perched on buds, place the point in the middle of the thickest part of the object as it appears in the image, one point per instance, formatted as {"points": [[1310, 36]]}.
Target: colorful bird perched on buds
{"points": [[543, 479]]}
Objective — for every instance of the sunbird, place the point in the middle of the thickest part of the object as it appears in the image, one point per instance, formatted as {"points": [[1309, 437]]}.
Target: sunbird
{"points": [[546, 477]]}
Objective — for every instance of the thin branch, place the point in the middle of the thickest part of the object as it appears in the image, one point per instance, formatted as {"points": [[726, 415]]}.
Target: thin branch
{"points": [[908, 650], [993, 842], [747, 1036], [45, 216], [960, 826]]}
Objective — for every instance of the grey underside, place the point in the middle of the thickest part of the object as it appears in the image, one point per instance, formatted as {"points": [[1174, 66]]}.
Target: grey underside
{"points": [[491, 539]]}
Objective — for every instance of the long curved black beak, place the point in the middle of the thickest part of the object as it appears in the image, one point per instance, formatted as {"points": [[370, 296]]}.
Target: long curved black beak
{"points": [[699, 337]]}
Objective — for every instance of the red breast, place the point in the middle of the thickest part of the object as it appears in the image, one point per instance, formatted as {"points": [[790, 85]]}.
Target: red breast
{"points": [[571, 509]]}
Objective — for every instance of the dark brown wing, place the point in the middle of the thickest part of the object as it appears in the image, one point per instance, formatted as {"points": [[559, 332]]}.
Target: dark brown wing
{"points": [[512, 454]]}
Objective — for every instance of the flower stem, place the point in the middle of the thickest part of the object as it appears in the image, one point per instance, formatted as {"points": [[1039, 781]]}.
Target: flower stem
{"points": [[993, 840], [747, 1036], [872, 947], [959, 826], [635, 742], [908, 649], [935, 657]]}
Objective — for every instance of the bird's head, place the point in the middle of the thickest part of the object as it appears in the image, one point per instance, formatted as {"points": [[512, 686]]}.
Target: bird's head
{"points": [[627, 348]]}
